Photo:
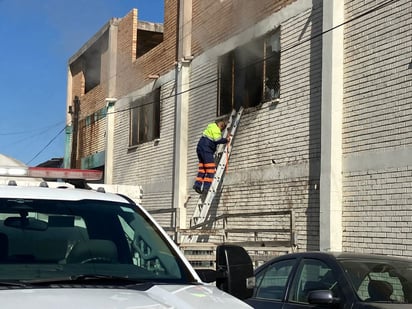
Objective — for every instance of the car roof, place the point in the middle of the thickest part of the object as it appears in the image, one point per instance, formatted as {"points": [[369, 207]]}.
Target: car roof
{"points": [[340, 255], [335, 256], [58, 194]]}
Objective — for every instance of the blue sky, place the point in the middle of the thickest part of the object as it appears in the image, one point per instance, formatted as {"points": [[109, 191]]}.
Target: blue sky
{"points": [[37, 40]]}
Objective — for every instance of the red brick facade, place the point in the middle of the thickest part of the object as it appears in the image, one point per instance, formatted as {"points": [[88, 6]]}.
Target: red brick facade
{"points": [[131, 74]]}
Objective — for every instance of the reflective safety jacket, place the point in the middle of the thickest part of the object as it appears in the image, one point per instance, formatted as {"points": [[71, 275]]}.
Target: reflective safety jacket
{"points": [[211, 137], [212, 132]]}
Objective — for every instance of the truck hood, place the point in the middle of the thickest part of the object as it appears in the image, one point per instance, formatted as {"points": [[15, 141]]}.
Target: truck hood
{"points": [[158, 296]]}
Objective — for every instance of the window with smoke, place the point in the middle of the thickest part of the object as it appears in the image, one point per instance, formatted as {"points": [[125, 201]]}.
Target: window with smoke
{"points": [[249, 74]]}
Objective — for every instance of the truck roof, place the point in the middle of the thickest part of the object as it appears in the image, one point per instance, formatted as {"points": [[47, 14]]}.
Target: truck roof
{"points": [[57, 193]]}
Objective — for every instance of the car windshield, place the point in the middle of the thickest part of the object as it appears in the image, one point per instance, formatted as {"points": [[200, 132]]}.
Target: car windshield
{"points": [[380, 280], [51, 239]]}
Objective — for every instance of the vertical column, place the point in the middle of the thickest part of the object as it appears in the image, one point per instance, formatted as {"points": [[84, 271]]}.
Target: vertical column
{"points": [[69, 115], [182, 111], [110, 102], [331, 134], [111, 78], [108, 159]]}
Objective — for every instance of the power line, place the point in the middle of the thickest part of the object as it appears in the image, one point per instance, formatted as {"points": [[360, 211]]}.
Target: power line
{"points": [[41, 129], [28, 137], [47, 145], [367, 12], [288, 48], [167, 97]]}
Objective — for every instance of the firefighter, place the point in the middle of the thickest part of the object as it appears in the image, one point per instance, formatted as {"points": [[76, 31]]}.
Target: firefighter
{"points": [[206, 148]]}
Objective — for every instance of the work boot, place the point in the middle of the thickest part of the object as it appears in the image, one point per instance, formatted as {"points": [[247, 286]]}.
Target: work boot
{"points": [[197, 189]]}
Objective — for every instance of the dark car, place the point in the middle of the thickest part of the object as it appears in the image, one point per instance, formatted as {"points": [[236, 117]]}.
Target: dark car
{"points": [[333, 280]]}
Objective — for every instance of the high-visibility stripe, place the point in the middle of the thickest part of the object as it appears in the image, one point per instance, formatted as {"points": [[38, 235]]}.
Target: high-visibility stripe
{"points": [[210, 165], [199, 179], [210, 170], [208, 180]]}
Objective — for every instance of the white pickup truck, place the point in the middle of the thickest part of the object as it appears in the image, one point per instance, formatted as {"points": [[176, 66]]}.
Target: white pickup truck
{"points": [[77, 248]]}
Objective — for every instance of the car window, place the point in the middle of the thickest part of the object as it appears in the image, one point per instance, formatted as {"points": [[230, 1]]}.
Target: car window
{"points": [[380, 280], [312, 275], [271, 283], [381, 287]]}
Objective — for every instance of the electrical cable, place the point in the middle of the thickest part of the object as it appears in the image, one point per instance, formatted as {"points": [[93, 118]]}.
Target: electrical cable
{"points": [[47, 145], [367, 12], [43, 129]]}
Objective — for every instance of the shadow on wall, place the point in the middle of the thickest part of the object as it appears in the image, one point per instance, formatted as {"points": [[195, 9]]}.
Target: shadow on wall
{"points": [[315, 81]]}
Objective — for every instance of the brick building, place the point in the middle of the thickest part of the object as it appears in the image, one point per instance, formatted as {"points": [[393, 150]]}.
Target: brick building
{"points": [[325, 139]]}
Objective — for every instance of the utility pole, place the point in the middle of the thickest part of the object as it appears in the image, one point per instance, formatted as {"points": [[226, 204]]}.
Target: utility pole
{"points": [[75, 129]]}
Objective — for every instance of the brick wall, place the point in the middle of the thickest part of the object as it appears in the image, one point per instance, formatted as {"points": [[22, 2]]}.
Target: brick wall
{"points": [[149, 164], [377, 129], [275, 163], [91, 139], [132, 73], [270, 133], [377, 212], [377, 108], [216, 21]]}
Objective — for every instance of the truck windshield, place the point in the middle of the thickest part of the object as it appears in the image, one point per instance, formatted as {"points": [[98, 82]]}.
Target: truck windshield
{"points": [[46, 239]]}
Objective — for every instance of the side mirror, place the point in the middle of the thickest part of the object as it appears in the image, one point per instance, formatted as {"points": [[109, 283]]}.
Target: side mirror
{"points": [[234, 271], [206, 275], [322, 297]]}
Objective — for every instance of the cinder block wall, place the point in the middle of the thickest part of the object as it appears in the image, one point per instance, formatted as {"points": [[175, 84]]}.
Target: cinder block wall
{"points": [[377, 129], [287, 134], [150, 164]]}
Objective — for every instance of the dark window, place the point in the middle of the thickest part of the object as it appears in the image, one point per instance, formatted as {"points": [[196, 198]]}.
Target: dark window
{"points": [[271, 283], [380, 280], [92, 64], [145, 118], [147, 40], [312, 275], [249, 75]]}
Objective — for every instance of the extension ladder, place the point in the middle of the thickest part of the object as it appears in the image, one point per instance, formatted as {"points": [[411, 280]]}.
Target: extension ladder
{"points": [[223, 154]]}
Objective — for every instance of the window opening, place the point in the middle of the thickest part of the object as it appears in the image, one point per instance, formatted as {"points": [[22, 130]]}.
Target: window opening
{"points": [[92, 64], [145, 118], [249, 74]]}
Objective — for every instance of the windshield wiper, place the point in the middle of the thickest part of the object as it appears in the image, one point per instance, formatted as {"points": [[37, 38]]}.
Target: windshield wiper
{"points": [[12, 284], [85, 278]]}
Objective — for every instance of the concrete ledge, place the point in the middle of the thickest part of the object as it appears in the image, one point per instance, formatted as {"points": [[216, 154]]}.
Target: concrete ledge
{"points": [[377, 160], [271, 173]]}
